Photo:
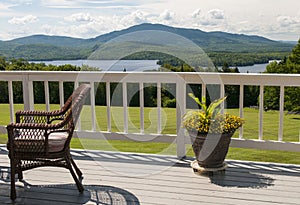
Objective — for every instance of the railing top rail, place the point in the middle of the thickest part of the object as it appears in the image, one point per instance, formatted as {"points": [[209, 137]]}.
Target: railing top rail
{"points": [[146, 73], [167, 77]]}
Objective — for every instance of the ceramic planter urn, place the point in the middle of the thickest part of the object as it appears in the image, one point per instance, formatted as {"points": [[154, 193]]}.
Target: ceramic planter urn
{"points": [[210, 149]]}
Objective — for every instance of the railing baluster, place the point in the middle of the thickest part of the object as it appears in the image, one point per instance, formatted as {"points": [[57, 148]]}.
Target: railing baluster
{"points": [[203, 90], [281, 113], [142, 104], [76, 84], [222, 94], [11, 101], [47, 97], [93, 106], [31, 95], [241, 107], [108, 108], [261, 111], [159, 108], [125, 111], [61, 93]]}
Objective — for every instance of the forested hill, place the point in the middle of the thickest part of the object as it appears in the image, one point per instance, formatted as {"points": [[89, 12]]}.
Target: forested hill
{"points": [[218, 44], [210, 41], [49, 40]]}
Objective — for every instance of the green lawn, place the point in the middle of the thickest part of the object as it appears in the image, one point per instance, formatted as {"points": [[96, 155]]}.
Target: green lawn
{"points": [[271, 120]]}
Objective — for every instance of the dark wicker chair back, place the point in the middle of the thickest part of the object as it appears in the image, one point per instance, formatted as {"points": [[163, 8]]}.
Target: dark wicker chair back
{"points": [[42, 138]]}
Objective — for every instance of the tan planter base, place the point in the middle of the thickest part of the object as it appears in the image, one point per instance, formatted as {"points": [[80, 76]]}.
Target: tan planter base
{"points": [[197, 168]]}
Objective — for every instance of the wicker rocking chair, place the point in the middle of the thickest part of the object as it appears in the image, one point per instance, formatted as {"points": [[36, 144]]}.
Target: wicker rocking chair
{"points": [[42, 138]]}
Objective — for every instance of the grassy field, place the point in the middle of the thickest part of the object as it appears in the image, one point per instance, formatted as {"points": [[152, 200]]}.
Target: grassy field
{"points": [[271, 121]]}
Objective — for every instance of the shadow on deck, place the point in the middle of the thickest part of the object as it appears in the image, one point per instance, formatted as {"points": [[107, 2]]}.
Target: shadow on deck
{"points": [[133, 178]]}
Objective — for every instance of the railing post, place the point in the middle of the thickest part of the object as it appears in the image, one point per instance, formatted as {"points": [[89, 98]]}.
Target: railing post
{"points": [[180, 110]]}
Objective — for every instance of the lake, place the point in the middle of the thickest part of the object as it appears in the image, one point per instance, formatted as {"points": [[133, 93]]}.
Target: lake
{"points": [[136, 65], [110, 65], [256, 68]]}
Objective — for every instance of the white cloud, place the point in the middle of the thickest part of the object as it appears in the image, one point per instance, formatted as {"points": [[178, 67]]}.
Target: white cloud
{"points": [[216, 14], [8, 4], [4, 6], [23, 20], [79, 17], [196, 13], [60, 4], [286, 21], [89, 18], [166, 15], [244, 27], [89, 4], [213, 17], [136, 17], [25, 2], [99, 25]]}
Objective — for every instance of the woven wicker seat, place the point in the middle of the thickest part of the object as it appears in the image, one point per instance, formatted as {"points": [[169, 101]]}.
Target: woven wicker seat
{"points": [[42, 138]]}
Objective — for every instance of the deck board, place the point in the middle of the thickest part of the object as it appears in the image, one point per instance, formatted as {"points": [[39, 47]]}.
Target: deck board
{"points": [[130, 178]]}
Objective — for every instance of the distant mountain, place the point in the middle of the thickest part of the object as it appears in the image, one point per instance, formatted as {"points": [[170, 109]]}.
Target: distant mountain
{"points": [[209, 41], [290, 42], [44, 47], [49, 40]]}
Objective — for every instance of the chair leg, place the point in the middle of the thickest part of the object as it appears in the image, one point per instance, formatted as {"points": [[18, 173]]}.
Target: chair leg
{"points": [[78, 183], [13, 194], [79, 173], [20, 173]]}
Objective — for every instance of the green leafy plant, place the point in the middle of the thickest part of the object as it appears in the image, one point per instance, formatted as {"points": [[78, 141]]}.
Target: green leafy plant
{"points": [[209, 119]]}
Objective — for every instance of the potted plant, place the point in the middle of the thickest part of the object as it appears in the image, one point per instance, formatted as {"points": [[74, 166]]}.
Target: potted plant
{"points": [[210, 132]]}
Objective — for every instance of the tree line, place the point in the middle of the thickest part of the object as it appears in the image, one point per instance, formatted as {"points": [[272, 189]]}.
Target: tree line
{"points": [[218, 58], [289, 64], [168, 91]]}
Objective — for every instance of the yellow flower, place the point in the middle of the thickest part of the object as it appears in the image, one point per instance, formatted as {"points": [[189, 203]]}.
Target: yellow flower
{"points": [[222, 123]]}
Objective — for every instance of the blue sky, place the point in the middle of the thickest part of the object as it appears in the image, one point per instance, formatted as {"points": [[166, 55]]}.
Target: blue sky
{"points": [[274, 19]]}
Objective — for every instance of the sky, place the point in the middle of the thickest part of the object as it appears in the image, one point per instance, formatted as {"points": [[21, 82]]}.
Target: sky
{"points": [[273, 19]]}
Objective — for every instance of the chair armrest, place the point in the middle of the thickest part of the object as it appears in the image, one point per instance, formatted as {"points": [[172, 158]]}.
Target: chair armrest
{"points": [[31, 137], [35, 116], [38, 113], [39, 126], [32, 130]]}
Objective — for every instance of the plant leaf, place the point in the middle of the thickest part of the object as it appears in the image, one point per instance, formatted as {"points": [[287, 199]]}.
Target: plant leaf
{"points": [[212, 108], [202, 104]]}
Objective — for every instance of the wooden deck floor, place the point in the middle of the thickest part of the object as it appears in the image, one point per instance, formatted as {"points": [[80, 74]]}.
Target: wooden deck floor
{"points": [[127, 178]]}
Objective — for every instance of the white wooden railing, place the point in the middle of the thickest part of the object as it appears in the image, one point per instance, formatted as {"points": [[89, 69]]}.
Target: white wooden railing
{"points": [[179, 79]]}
